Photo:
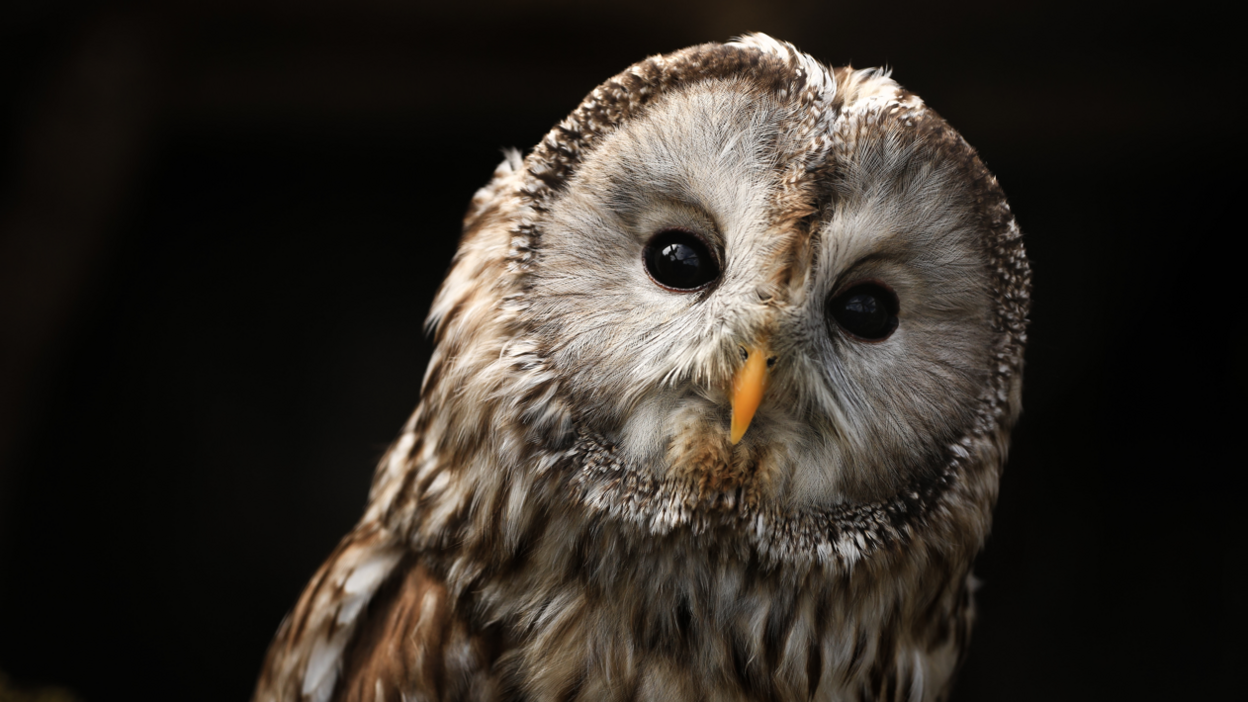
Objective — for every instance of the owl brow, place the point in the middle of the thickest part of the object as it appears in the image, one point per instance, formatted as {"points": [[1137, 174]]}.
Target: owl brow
{"points": [[873, 257], [705, 224]]}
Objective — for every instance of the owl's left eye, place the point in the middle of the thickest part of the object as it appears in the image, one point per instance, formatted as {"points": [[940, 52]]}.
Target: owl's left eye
{"points": [[679, 260], [868, 311]]}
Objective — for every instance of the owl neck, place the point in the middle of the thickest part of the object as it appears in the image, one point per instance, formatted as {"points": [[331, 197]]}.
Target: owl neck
{"points": [[581, 554]]}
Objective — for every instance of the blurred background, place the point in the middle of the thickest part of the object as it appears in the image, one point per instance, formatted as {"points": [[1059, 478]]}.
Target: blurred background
{"points": [[222, 224]]}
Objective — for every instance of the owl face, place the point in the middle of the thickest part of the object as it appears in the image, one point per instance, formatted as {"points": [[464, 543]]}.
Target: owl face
{"points": [[678, 248], [734, 287]]}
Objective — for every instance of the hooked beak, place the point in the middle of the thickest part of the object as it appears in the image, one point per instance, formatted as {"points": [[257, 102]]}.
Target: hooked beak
{"points": [[748, 386]]}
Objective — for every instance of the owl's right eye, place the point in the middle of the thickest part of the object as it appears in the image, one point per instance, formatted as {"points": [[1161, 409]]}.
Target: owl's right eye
{"points": [[679, 260]]}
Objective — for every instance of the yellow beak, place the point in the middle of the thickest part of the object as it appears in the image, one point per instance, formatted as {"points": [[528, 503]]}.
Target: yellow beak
{"points": [[747, 391]]}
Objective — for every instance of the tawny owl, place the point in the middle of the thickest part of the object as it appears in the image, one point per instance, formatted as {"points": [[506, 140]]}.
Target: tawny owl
{"points": [[724, 377]]}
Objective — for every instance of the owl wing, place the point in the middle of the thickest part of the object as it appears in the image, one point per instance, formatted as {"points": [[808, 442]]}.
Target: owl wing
{"points": [[375, 624]]}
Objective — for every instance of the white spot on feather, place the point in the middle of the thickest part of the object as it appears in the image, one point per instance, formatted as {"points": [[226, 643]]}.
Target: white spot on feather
{"points": [[358, 586]]}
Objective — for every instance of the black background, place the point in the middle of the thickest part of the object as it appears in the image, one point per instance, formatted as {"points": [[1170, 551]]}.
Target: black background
{"points": [[223, 223]]}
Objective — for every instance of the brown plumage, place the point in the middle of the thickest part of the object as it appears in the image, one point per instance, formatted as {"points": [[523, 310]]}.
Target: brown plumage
{"points": [[567, 516]]}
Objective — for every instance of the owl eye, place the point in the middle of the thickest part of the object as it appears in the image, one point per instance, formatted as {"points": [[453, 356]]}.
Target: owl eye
{"points": [[868, 311], [679, 260]]}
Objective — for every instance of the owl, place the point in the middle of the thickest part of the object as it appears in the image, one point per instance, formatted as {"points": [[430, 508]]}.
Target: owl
{"points": [[723, 381]]}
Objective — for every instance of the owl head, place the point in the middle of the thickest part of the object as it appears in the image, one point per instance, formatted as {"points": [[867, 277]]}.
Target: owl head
{"points": [[733, 287]]}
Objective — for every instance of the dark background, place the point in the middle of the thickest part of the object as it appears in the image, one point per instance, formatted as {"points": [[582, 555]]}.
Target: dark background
{"points": [[222, 223]]}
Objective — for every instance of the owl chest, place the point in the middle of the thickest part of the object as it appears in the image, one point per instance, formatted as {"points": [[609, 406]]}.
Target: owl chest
{"points": [[685, 628]]}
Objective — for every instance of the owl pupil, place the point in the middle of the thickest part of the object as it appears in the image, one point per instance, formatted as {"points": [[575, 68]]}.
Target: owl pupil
{"points": [[867, 311], [679, 260]]}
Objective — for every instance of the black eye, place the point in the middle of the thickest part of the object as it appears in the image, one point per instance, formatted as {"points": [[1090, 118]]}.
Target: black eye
{"points": [[867, 311], [679, 260]]}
